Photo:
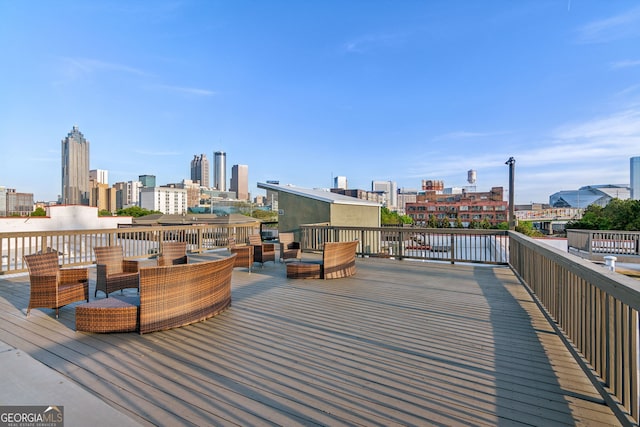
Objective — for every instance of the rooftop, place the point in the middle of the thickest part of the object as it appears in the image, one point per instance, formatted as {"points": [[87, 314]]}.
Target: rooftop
{"points": [[400, 343]]}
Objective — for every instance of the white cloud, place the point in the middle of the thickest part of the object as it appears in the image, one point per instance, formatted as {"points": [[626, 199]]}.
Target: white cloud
{"points": [[186, 90], [625, 64], [371, 42], [622, 26], [77, 67], [466, 135]]}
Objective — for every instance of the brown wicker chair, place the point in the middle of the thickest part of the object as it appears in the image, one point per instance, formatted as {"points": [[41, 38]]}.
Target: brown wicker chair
{"points": [[288, 248], [52, 287], [262, 252], [173, 253], [339, 259], [113, 272], [244, 253]]}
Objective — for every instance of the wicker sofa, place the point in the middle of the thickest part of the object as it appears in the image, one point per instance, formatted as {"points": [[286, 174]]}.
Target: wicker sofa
{"points": [[170, 296]]}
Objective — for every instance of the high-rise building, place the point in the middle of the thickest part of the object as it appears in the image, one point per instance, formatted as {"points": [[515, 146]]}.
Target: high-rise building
{"points": [[200, 170], [340, 182], [390, 190], [75, 169], [169, 201], [148, 181], [14, 203], [100, 176], [220, 171], [635, 177], [127, 194], [240, 181]]}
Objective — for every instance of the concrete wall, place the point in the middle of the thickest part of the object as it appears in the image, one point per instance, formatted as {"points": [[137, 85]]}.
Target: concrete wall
{"points": [[74, 217], [300, 210], [355, 215]]}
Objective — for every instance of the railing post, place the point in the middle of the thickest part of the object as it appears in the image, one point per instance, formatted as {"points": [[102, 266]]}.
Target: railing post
{"points": [[452, 246]]}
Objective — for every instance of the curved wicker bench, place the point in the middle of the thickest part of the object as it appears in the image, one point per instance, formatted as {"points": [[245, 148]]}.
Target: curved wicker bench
{"points": [[338, 260], [170, 296]]}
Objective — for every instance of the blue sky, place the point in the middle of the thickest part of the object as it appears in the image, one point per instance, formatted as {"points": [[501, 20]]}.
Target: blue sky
{"points": [[302, 91]]}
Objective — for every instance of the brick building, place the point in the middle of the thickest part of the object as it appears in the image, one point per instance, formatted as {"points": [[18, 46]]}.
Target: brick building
{"points": [[466, 206]]}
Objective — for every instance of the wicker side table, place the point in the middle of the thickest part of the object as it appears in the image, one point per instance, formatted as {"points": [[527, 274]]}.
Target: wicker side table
{"points": [[303, 270], [114, 314]]}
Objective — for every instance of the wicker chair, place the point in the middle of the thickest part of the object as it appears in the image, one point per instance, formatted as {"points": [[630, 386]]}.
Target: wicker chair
{"points": [[244, 253], [113, 272], [173, 253], [288, 248], [52, 287], [262, 252]]}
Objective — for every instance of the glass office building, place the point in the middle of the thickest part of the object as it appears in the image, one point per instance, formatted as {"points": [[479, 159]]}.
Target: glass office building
{"points": [[635, 177]]}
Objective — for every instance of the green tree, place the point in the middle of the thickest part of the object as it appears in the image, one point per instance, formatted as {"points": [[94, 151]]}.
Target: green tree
{"points": [[526, 228], [39, 212], [444, 222], [388, 217], [104, 212], [458, 223], [616, 215], [433, 221], [136, 212], [474, 224], [485, 224]]}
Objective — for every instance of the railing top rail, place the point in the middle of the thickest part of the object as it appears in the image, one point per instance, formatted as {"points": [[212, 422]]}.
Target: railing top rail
{"points": [[617, 285], [474, 231], [584, 231]]}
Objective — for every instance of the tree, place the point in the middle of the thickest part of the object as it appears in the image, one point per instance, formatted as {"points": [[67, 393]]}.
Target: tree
{"points": [[433, 221], [136, 212], [526, 228], [104, 212], [388, 217], [616, 215], [444, 222], [458, 223], [39, 212]]}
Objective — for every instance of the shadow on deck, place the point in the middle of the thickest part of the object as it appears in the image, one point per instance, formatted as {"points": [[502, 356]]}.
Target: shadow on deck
{"points": [[400, 343]]}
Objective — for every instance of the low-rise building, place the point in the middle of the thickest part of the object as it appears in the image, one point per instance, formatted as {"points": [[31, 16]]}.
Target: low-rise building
{"points": [[467, 207]]}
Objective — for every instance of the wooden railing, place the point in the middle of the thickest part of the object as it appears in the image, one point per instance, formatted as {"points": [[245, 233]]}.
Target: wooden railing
{"points": [[76, 247], [453, 245], [594, 244], [596, 311]]}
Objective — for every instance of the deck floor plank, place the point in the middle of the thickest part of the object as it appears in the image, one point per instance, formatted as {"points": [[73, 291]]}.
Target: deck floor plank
{"points": [[400, 343]]}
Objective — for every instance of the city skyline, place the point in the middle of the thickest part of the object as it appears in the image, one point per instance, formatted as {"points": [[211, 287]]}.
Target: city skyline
{"points": [[303, 93]]}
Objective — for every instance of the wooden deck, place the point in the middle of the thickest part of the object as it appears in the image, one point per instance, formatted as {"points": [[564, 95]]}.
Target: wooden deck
{"points": [[400, 343]]}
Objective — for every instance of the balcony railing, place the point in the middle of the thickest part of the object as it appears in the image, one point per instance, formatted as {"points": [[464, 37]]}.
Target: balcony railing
{"points": [[594, 310], [436, 244], [75, 247], [594, 244]]}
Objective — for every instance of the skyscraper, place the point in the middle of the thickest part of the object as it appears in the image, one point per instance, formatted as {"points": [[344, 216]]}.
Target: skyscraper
{"points": [[200, 170], [634, 173], [240, 181], [390, 190], [220, 171], [340, 182], [75, 169], [148, 181]]}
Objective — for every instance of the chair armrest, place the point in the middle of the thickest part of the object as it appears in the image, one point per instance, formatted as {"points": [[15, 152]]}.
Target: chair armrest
{"points": [[129, 266], [74, 275], [101, 271]]}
